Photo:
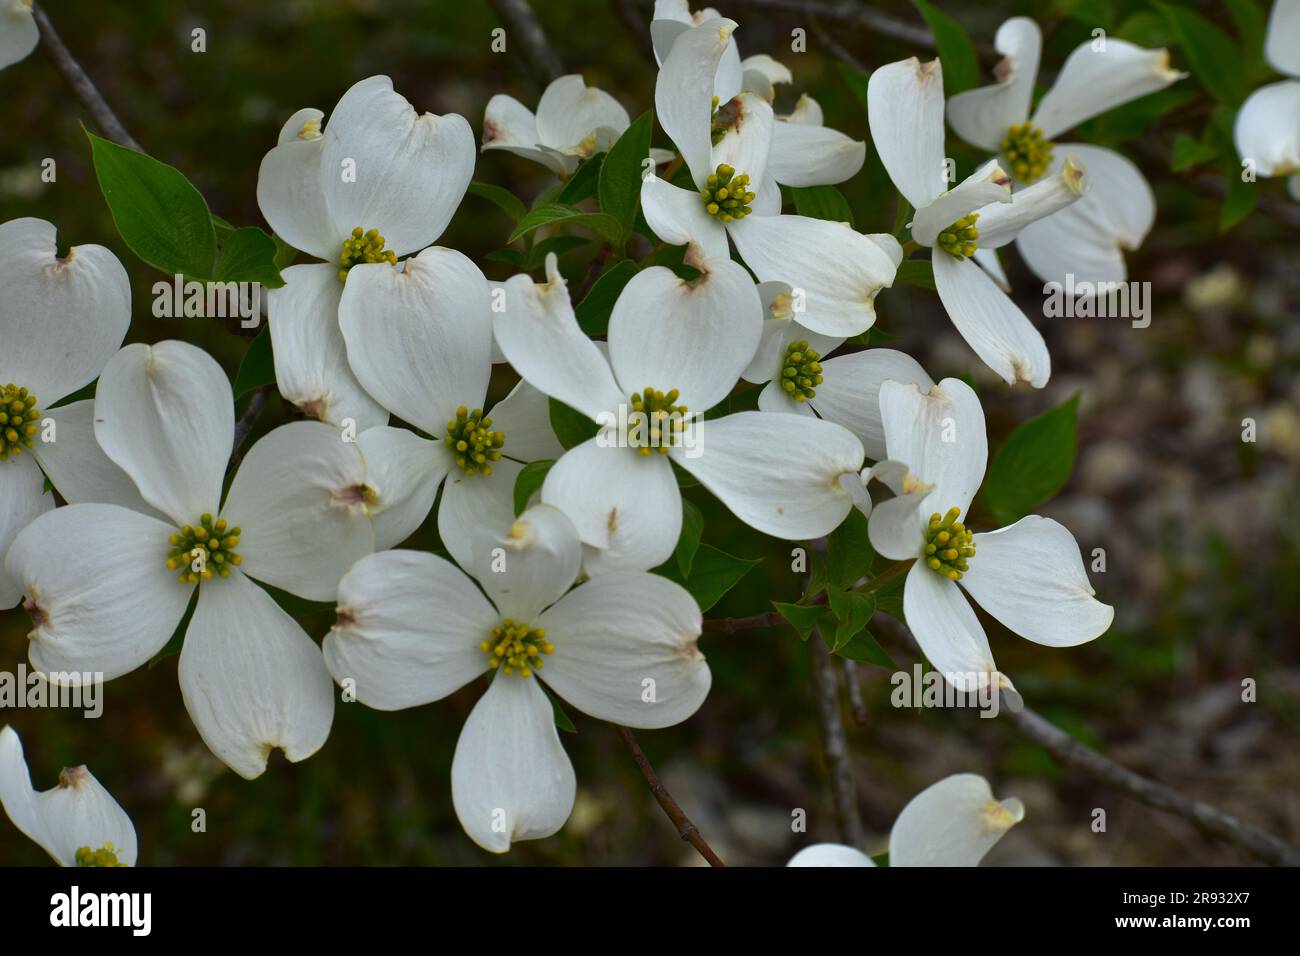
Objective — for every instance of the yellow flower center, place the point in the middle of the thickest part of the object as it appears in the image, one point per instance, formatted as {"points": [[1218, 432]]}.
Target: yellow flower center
{"points": [[106, 855], [655, 421], [959, 239], [949, 545], [516, 648], [19, 421], [199, 552], [363, 247], [472, 441], [726, 195], [801, 372], [1027, 151]]}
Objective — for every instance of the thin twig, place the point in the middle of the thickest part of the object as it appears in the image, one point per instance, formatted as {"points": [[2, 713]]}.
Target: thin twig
{"points": [[81, 84], [246, 421], [827, 39], [688, 831], [523, 27], [844, 790], [637, 24], [852, 13], [1225, 826], [853, 681]]}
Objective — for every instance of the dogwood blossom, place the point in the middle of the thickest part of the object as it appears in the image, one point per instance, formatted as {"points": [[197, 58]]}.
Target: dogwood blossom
{"points": [[107, 586], [78, 823], [376, 183], [61, 319], [1088, 239], [1267, 128], [1028, 575], [676, 349], [905, 112], [412, 628], [954, 822], [18, 33]]}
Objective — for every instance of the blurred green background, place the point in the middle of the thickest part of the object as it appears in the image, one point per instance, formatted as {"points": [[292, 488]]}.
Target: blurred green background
{"points": [[1199, 528]]}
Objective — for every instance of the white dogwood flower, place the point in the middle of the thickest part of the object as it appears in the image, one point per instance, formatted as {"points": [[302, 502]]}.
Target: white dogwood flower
{"points": [[1088, 239], [905, 111], [412, 628], [60, 321], [1028, 575], [954, 822], [1267, 129], [676, 349], [18, 33], [725, 139], [376, 183], [78, 823], [107, 586]]}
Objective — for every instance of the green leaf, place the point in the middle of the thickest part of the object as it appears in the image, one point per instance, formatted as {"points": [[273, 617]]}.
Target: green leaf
{"points": [[583, 183], [801, 617], [816, 576], [956, 52], [248, 255], [822, 202], [503, 199], [713, 574], [689, 541], [848, 551], [177, 640], [605, 226], [559, 245], [1188, 152], [594, 310], [622, 172], [528, 481], [889, 597], [1034, 464], [856, 81], [863, 647], [562, 719], [1209, 51], [159, 214], [258, 367], [1241, 200], [284, 253], [571, 427], [917, 272], [852, 611]]}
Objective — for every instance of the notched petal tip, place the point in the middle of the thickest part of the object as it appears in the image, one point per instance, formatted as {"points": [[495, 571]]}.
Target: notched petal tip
{"points": [[72, 777]]}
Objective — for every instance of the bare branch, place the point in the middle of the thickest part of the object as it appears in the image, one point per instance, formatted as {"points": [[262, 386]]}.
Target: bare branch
{"points": [[852, 13], [523, 27], [844, 790], [81, 84], [246, 421]]}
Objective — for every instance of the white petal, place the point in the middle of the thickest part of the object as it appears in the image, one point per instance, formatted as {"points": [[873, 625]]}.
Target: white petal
{"points": [[777, 473], [779, 330], [746, 143], [895, 528], [849, 394], [761, 66], [804, 155], [954, 822], [409, 630], [297, 500], [525, 417], [104, 599], [684, 92], [510, 777], [1001, 335], [476, 510], [988, 184], [77, 813], [625, 504], [905, 112], [570, 111], [664, 31], [987, 259], [311, 364], [1280, 46], [165, 415], [837, 269], [677, 216], [18, 33], [304, 125], [410, 171], [62, 318], [290, 196], [1086, 239], [768, 202], [694, 336], [947, 630], [252, 680], [1030, 577], [508, 124], [939, 435], [774, 399], [1001, 222], [1267, 129], [404, 471], [420, 338], [538, 560], [1093, 81], [23, 498], [619, 631], [830, 854], [540, 337], [983, 116], [78, 467]]}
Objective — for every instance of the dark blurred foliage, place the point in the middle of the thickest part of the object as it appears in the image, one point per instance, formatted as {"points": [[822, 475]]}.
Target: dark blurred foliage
{"points": [[1199, 527]]}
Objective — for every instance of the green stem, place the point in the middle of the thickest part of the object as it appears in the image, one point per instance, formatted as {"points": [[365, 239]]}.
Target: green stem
{"points": [[887, 575]]}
